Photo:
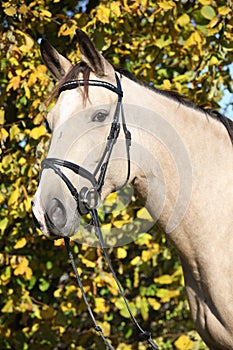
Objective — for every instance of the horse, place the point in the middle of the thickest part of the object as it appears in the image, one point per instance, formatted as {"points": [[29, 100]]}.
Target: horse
{"points": [[108, 129]]}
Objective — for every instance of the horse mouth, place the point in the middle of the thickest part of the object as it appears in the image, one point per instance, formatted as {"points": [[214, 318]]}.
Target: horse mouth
{"points": [[53, 232]]}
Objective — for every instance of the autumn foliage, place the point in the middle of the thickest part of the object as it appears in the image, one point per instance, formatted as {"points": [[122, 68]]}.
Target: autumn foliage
{"points": [[185, 46]]}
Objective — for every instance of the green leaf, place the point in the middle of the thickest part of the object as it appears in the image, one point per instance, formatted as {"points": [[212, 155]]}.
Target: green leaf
{"points": [[32, 282], [123, 309], [208, 12], [44, 284], [163, 41]]}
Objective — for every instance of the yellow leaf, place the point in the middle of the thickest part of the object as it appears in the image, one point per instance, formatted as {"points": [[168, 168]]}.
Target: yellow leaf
{"points": [[154, 303], [135, 261], [100, 305], [88, 263], [31, 81], [8, 307], [183, 20], [115, 8], [166, 5], [213, 60], [70, 289], [123, 346], [2, 116], [59, 242], [183, 343], [121, 253], [194, 39], [143, 214], [109, 280], [14, 83], [46, 13], [205, 2], [224, 10], [28, 273], [164, 279], [27, 204], [166, 295], [27, 91], [166, 84], [214, 21], [2, 198], [10, 11], [23, 9], [106, 328], [20, 244], [102, 14], [147, 255], [58, 293], [29, 42], [119, 223], [65, 30], [142, 304], [14, 197], [37, 132], [14, 130], [3, 224], [3, 134], [22, 267]]}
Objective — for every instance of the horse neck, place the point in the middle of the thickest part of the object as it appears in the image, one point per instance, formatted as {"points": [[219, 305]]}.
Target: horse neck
{"points": [[188, 160]]}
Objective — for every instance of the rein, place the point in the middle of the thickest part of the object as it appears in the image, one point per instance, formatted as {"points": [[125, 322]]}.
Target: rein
{"points": [[87, 199]]}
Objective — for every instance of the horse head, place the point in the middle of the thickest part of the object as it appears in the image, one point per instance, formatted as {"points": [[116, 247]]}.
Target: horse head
{"points": [[85, 125]]}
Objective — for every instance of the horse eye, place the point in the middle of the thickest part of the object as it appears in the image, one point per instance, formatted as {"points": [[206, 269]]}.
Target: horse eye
{"points": [[100, 116]]}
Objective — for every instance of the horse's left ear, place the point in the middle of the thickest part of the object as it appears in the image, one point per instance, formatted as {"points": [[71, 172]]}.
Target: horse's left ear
{"points": [[92, 57], [58, 65]]}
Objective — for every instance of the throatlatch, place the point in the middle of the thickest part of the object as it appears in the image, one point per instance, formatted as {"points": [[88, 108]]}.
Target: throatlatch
{"points": [[87, 198]]}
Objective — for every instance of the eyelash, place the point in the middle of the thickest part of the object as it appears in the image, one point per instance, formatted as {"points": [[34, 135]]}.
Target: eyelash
{"points": [[100, 117]]}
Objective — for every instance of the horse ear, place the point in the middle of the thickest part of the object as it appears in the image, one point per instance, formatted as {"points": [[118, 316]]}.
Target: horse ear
{"points": [[57, 64], [89, 54]]}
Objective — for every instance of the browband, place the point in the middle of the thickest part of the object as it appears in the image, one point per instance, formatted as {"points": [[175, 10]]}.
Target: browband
{"points": [[72, 84]]}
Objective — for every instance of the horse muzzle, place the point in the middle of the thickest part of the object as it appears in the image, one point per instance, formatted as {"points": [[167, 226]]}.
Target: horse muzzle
{"points": [[55, 221]]}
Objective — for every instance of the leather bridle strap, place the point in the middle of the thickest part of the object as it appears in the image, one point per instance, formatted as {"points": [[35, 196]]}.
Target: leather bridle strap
{"points": [[73, 84]]}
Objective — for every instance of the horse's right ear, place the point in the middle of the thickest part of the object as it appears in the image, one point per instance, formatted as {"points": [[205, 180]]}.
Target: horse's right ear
{"points": [[57, 64]]}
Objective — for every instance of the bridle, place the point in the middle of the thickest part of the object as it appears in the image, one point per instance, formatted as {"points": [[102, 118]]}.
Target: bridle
{"points": [[87, 198]]}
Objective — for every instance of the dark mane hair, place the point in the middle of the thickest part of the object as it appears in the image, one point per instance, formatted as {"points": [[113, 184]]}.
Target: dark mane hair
{"points": [[82, 71]]}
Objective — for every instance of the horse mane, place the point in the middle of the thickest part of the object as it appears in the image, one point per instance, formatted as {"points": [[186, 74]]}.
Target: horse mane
{"points": [[84, 70], [228, 123]]}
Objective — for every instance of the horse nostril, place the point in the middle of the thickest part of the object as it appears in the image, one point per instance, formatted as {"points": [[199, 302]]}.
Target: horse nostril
{"points": [[57, 214]]}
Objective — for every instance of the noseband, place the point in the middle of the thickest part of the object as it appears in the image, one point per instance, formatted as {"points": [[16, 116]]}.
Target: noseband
{"points": [[87, 198]]}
